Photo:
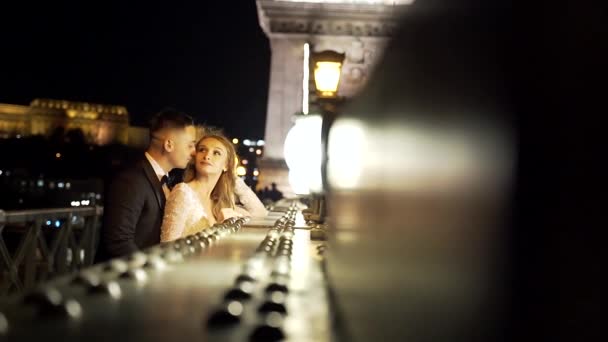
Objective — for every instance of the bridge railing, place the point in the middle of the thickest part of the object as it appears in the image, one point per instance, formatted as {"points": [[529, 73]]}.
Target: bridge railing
{"points": [[38, 244]]}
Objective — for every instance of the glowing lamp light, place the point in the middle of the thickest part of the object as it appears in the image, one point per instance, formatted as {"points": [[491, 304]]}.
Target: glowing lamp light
{"points": [[346, 148], [327, 77], [302, 152], [328, 67], [235, 141], [241, 171]]}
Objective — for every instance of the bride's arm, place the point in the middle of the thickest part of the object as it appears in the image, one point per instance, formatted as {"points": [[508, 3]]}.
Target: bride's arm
{"points": [[176, 213], [251, 202]]}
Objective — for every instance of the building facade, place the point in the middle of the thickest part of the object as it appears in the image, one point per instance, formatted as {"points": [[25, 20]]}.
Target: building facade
{"points": [[100, 124], [359, 29]]}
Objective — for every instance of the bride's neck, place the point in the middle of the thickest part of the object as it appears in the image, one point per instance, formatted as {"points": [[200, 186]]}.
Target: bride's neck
{"points": [[205, 184]]}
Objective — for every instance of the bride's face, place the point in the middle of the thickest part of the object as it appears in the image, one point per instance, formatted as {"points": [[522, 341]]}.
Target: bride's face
{"points": [[211, 157]]}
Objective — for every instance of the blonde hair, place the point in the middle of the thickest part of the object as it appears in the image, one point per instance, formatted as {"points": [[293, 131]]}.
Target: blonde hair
{"points": [[222, 195]]}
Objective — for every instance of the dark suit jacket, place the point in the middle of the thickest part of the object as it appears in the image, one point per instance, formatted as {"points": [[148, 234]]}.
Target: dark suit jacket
{"points": [[133, 212]]}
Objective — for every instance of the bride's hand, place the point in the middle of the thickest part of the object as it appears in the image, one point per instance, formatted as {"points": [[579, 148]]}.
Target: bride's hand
{"points": [[229, 212]]}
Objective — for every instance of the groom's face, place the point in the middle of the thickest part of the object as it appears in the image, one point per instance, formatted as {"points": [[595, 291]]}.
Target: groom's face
{"points": [[184, 141]]}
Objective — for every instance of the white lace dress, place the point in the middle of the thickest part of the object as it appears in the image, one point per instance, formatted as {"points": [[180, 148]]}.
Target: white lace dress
{"points": [[185, 214]]}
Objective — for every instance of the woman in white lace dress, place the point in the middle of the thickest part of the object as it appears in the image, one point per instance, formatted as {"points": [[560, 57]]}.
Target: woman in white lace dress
{"points": [[208, 192]]}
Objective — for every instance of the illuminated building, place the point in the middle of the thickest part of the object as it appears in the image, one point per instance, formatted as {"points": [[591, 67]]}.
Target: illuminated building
{"points": [[100, 124]]}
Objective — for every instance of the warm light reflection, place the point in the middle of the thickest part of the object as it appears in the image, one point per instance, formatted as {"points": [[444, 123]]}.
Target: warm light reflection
{"points": [[305, 80], [365, 2], [327, 77], [90, 115], [301, 261], [235, 308], [409, 157], [345, 153], [302, 152]]}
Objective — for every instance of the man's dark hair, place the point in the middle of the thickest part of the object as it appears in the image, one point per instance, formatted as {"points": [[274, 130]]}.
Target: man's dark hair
{"points": [[170, 118]]}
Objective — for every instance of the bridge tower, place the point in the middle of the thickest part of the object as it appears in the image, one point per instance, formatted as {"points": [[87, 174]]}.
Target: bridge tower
{"points": [[360, 29]]}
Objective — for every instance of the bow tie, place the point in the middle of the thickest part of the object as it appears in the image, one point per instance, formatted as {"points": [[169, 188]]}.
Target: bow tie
{"points": [[166, 180]]}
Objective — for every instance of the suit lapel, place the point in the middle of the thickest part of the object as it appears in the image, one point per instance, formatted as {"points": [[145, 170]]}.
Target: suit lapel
{"points": [[154, 183]]}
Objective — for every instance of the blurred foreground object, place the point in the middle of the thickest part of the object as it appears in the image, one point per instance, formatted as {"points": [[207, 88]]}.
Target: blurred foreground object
{"points": [[448, 197]]}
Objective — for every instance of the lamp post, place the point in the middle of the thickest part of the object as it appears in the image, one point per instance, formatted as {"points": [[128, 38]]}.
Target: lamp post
{"points": [[327, 71]]}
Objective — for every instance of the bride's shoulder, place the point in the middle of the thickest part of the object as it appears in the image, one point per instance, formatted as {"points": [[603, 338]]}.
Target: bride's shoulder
{"points": [[182, 189], [182, 194]]}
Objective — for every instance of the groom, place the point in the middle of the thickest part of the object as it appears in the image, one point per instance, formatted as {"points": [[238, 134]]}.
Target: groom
{"points": [[135, 200]]}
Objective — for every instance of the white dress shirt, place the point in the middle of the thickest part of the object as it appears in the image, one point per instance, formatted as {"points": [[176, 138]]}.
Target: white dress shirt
{"points": [[159, 173]]}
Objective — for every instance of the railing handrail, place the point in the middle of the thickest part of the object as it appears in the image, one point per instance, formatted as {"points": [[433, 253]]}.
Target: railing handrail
{"points": [[36, 252], [21, 216]]}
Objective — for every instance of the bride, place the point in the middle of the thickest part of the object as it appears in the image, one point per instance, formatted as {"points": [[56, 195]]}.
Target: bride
{"points": [[207, 194]]}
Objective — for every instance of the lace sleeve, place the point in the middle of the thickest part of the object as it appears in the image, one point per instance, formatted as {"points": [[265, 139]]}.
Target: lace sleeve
{"points": [[176, 212], [248, 198]]}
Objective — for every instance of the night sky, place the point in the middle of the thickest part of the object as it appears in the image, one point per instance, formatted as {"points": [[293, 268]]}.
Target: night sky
{"points": [[209, 59]]}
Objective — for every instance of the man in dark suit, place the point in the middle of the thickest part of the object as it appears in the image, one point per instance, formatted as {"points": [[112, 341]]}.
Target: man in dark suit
{"points": [[135, 200]]}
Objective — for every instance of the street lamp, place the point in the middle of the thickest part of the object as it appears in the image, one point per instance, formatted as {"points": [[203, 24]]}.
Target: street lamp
{"points": [[327, 71], [328, 67]]}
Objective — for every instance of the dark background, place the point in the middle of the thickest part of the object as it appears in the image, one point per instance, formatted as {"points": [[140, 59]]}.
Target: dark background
{"points": [[210, 59]]}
